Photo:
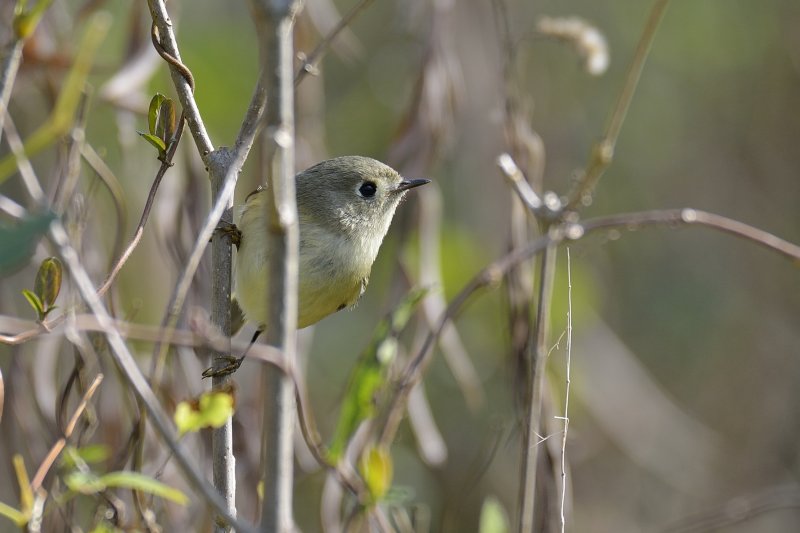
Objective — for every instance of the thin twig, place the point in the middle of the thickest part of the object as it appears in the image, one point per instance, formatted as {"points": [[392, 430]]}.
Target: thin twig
{"points": [[56, 449], [164, 41], [534, 394], [566, 393], [494, 272], [151, 196], [310, 62], [11, 60], [133, 376], [603, 151]]}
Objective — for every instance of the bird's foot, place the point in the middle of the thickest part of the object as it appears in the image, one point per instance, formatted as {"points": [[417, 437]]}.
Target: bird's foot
{"points": [[229, 228], [224, 365]]}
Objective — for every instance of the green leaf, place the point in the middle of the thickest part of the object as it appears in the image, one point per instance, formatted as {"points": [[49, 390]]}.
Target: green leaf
{"points": [[18, 241], [493, 517], [90, 483], [84, 482], [368, 377], [155, 141], [25, 22], [93, 453], [18, 517], [167, 119], [376, 468], [35, 302], [152, 112], [213, 409], [24, 483], [140, 482], [48, 282]]}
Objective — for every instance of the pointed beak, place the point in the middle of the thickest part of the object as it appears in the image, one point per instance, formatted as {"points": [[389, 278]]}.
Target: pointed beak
{"points": [[410, 184]]}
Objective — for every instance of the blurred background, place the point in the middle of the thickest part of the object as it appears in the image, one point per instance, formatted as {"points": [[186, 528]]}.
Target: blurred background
{"points": [[685, 404]]}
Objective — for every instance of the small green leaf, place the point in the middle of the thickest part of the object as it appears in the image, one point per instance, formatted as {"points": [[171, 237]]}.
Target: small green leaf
{"points": [[84, 482], [93, 453], [167, 119], [376, 468], [152, 112], [212, 410], [35, 302], [24, 483], [25, 22], [493, 517], [18, 517], [140, 482], [90, 483], [48, 282], [155, 141]]}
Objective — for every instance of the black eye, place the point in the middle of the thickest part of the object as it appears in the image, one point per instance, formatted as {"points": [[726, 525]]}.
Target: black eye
{"points": [[367, 189]]}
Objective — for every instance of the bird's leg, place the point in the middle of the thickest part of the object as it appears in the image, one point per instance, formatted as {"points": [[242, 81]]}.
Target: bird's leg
{"points": [[230, 228], [233, 363]]}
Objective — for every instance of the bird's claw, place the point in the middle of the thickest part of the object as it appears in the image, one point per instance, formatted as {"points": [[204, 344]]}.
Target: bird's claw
{"points": [[224, 365]]}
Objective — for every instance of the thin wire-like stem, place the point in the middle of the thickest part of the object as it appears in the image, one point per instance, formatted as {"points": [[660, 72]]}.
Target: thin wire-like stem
{"points": [[566, 394], [151, 196]]}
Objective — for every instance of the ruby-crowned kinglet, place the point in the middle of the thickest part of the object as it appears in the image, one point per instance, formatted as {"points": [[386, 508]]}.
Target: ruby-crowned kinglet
{"points": [[345, 206]]}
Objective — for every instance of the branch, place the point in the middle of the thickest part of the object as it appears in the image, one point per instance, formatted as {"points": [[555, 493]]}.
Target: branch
{"points": [[165, 44], [275, 22], [492, 274], [133, 376]]}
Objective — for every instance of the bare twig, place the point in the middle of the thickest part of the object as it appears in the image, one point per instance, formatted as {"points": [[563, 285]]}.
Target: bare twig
{"points": [[275, 22], [494, 272], [56, 449], [534, 393], [11, 60], [130, 371], [603, 151], [151, 196], [166, 45], [310, 62]]}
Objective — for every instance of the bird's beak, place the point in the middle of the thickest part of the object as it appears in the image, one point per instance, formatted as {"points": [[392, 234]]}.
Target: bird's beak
{"points": [[410, 184]]}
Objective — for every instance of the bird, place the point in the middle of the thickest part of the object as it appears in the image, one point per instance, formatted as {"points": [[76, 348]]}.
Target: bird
{"points": [[345, 206]]}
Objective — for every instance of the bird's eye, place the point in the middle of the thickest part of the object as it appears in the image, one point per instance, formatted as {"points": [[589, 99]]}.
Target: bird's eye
{"points": [[367, 189]]}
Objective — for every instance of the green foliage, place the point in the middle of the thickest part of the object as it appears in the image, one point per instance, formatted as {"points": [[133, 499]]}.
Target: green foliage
{"points": [[494, 518], [212, 409], [90, 483], [18, 241], [45, 288], [61, 119], [93, 453], [162, 123], [25, 21], [369, 375], [376, 468], [22, 515]]}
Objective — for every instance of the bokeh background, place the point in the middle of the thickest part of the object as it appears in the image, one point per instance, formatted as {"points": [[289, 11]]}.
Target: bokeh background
{"points": [[685, 404]]}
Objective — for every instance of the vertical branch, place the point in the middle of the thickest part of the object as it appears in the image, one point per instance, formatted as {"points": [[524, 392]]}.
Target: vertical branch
{"points": [[532, 434], [224, 462], [275, 19]]}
